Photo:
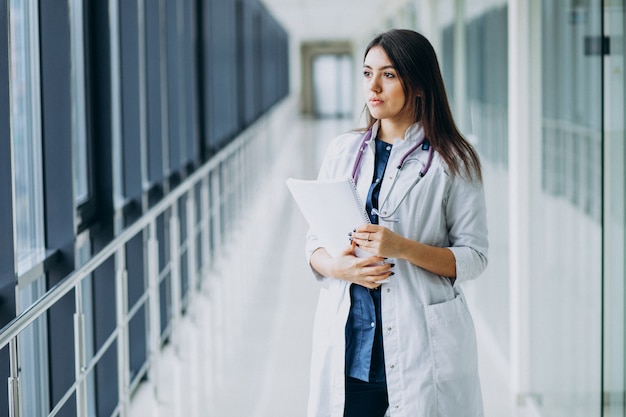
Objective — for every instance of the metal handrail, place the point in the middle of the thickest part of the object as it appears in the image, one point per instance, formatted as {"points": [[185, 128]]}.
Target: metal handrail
{"points": [[54, 294], [236, 158]]}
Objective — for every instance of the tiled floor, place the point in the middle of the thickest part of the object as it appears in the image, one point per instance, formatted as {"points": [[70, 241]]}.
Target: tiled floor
{"points": [[243, 349]]}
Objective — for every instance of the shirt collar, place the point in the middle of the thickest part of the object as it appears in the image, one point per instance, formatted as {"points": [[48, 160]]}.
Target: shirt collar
{"points": [[414, 133]]}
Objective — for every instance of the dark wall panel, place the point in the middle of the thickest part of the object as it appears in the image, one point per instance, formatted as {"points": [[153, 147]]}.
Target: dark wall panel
{"points": [[58, 192], [244, 66], [7, 265], [98, 79], [57, 130], [155, 95], [190, 84], [131, 128], [7, 275], [174, 83]]}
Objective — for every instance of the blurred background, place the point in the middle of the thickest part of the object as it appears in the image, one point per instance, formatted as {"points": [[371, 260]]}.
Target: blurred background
{"points": [[152, 261]]}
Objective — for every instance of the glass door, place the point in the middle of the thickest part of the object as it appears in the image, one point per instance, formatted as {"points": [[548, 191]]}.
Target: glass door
{"points": [[614, 368], [566, 284], [332, 85]]}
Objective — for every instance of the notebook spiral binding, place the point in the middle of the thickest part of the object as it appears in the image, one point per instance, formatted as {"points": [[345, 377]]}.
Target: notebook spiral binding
{"points": [[358, 199]]}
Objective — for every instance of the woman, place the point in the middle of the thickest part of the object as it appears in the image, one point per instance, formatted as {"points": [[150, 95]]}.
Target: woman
{"points": [[393, 335]]}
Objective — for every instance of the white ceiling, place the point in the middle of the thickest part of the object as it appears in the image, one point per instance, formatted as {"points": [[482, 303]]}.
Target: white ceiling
{"points": [[330, 19]]}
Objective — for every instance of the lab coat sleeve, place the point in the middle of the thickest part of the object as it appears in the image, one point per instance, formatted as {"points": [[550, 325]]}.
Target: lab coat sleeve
{"points": [[467, 227]]}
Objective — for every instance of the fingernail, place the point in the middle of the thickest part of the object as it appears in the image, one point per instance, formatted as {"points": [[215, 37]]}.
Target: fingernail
{"points": [[392, 273], [392, 265], [350, 234]]}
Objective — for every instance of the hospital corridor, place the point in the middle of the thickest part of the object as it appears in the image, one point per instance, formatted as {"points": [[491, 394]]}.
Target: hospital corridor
{"points": [[152, 258]]}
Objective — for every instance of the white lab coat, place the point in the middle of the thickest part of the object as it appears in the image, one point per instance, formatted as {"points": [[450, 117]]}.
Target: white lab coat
{"points": [[428, 334]]}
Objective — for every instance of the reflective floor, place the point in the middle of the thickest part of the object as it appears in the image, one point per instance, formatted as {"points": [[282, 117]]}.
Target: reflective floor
{"points": [[243, 348]]}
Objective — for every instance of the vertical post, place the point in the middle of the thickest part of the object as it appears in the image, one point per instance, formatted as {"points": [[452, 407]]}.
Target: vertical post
{"points": [[206, 229], [154, 306], [191, 243], [80, 353], [175, 264], [193, 357], [15, 404], [215, 211], [614, 216], [116, 113], [123, 351], [206, 341], [524, 178], [175, 286]]}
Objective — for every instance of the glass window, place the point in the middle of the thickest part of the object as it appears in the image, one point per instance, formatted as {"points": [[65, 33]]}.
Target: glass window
{"points": [[486, 40], [28, 193], [26, 134], [566, 284], [79, 130]]}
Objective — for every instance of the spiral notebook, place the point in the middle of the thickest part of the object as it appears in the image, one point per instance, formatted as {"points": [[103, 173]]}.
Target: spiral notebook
{"points": [[333, 209]]}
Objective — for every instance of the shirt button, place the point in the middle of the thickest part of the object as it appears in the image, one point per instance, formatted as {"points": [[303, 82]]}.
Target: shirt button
{"points": [[373, 324], [389, 328], [388, 289], [392, 366], [388, 148]]}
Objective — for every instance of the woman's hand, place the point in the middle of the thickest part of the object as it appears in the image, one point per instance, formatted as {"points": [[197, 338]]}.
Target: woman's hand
{"points": [[366, 272], [380, 241]]}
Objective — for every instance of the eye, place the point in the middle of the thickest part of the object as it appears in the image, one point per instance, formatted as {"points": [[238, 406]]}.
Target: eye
{"points": [[366, 73], [389, 75]]}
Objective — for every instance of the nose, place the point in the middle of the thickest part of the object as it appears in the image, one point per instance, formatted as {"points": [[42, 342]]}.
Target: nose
{"points": [[374, 84]]}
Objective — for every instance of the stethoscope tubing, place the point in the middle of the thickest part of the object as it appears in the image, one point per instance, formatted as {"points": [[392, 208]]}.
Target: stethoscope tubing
{"points": [[359, 161]]}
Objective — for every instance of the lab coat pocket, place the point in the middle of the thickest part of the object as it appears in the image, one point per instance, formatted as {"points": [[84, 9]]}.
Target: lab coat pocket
{"points": [[454, 358]]}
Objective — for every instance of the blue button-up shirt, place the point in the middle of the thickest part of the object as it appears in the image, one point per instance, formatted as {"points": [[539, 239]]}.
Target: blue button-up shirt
{"points": [[364, 335]]}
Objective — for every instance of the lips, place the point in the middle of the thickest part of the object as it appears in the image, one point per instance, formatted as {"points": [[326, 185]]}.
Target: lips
{"points": [[375, 100]]}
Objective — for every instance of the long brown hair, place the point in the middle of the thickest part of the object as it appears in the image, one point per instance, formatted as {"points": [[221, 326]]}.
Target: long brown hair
{"points": [[416, 63]]}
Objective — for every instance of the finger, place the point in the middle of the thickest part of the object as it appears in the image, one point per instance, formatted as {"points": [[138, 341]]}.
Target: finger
{"points": [[363, 237], [349, 250], [369, 261], [372, 284], [368, 227]]}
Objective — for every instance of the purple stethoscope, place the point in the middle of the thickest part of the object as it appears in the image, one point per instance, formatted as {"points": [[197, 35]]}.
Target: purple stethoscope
{"points": [[382, 212]]}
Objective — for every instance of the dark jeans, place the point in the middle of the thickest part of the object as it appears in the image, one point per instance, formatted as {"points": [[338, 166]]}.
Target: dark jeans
{"points": [[365, 399]]}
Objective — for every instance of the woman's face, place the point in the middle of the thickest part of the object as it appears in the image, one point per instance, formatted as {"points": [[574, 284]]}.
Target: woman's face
{"points": [[382, 87]]}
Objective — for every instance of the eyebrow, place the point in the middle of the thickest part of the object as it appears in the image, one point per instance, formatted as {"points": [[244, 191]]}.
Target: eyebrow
{"points": [[381, 68]]}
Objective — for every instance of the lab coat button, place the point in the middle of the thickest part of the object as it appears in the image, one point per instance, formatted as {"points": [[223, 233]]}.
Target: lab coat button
{"points": [[389, 328], [388, 289]]}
